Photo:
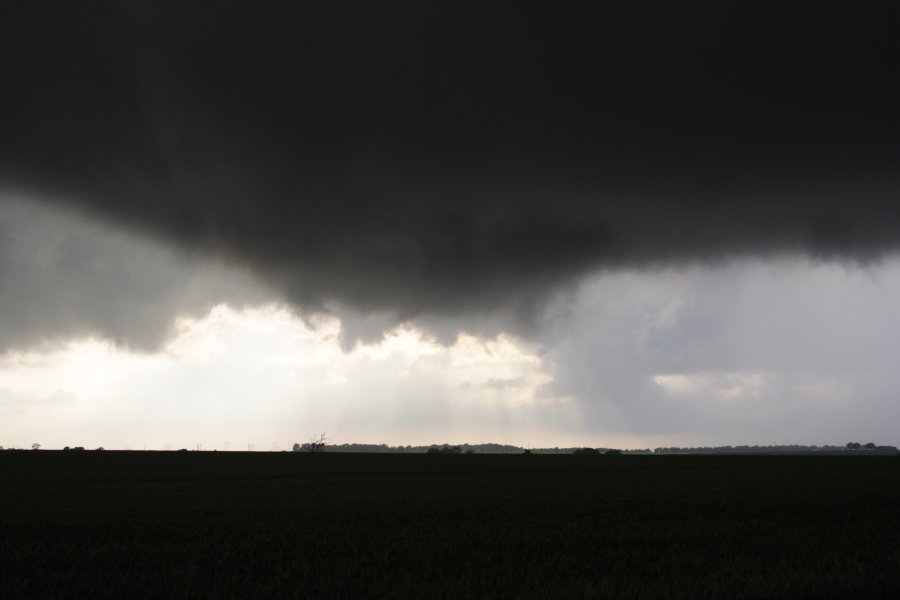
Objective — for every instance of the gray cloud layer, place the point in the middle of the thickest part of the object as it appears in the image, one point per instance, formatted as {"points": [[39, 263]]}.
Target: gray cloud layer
{"points": [[753, 353], [412, 161], [63, 277]]}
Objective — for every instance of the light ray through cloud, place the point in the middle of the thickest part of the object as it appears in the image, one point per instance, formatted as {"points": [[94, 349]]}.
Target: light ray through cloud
{"points": [[263, 375]]}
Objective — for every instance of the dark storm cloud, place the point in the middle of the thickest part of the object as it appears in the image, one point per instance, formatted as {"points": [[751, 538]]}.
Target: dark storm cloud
{"points": [[414, 158]]}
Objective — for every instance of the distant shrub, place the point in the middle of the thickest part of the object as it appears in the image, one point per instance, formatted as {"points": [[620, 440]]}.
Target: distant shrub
{"points": [[613, 452], [586, 451]]}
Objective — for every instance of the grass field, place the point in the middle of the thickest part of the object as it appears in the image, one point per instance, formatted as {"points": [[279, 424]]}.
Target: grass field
{"points": [[286, 525]]}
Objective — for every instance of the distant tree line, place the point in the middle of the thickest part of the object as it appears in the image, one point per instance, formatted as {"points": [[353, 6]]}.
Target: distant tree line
{"points": [[777, 449], [36, 446], [492, 448], [870, 446], [488, 448], [321, 443], [449, 450]]}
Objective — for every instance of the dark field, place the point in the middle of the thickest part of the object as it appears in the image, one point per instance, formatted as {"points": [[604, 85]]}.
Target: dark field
{"points": [[269, 525]]}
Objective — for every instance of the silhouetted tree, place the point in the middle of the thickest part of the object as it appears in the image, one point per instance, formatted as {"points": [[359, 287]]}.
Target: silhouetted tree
{"points": [[35, 446], [869, 446], [613, 452], [853, 446], [317, 443]]}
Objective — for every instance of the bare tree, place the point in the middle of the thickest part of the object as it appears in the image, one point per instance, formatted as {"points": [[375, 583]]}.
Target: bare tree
{"points": [[35, 446], [317, 443]]}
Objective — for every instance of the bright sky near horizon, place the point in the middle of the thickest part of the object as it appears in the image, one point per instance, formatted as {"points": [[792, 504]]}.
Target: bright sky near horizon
{"points": [[262, 376]]}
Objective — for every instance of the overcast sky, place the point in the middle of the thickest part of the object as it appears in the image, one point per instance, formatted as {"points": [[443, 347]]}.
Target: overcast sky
{"points": [[648, 225]]}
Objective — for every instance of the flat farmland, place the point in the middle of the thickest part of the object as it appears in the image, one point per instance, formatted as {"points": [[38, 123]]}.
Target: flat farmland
{"points": [[290, 525]]}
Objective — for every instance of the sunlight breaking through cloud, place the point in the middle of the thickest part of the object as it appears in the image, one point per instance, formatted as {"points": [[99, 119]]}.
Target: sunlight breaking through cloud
{"points": [[264, 374]]}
